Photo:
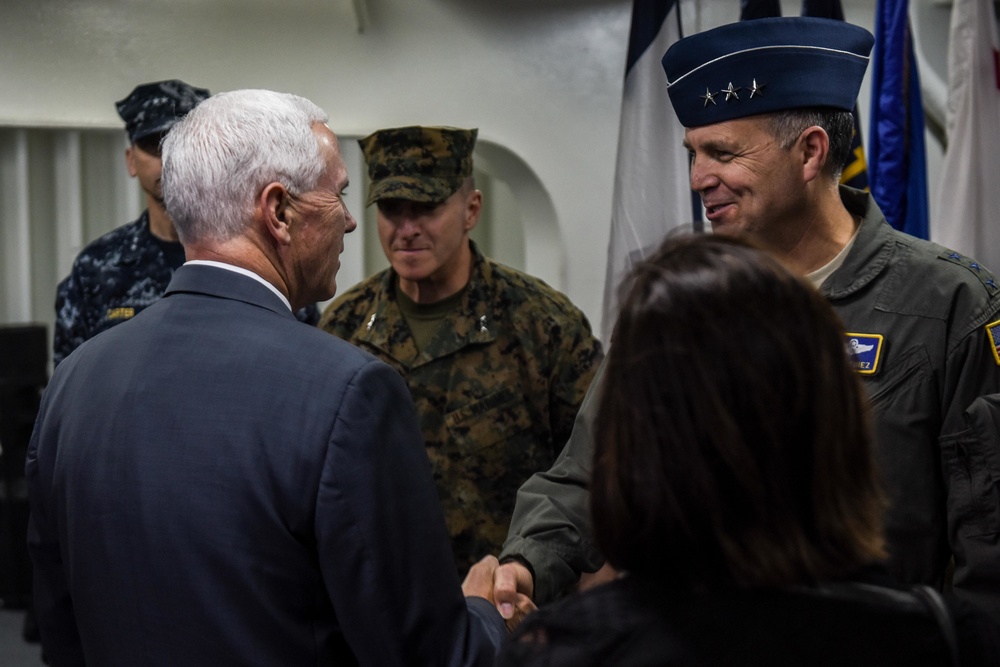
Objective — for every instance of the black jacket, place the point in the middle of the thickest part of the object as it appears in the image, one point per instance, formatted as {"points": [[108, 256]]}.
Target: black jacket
{"points": [[870, 621]]}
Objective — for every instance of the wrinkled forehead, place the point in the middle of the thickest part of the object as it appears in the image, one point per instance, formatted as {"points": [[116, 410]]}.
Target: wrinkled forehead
{"points": [[737, 131]]}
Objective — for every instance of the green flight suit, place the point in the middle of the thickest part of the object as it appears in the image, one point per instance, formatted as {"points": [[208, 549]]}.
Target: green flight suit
{"points": [[935, 397]]}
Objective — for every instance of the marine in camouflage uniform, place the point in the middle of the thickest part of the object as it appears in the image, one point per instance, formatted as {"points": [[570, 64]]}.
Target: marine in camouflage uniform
{"points": [[498, 378], [124, 271]]}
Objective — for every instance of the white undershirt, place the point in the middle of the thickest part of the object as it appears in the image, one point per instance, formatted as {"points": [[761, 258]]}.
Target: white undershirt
{"points": [[245, 272], [818, 276]]}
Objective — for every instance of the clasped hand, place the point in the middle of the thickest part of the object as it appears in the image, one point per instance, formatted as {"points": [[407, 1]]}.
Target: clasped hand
{"points": [[509, 587]]}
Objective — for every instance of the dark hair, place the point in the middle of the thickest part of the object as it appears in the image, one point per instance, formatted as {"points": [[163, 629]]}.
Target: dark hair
{"points": [[733, 443], [786, 126]]}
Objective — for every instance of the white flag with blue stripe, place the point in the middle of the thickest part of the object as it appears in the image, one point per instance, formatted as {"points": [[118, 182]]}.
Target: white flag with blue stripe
{"points": [[652, 194]]}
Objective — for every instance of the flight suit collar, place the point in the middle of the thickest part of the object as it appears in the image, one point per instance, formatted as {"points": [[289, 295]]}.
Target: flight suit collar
{"points": [[873, 249]]}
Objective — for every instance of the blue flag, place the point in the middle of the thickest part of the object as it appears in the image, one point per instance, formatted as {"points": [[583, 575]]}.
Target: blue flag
{"points": [[652, 192], [855, 173], [898, 162]]}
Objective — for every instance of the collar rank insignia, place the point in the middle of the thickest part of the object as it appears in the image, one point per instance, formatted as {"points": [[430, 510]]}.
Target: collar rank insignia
{"points": [[864, 350], [993, 333]]}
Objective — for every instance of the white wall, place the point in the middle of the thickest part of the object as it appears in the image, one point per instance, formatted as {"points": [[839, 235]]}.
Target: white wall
{"points": [[540, 78]]}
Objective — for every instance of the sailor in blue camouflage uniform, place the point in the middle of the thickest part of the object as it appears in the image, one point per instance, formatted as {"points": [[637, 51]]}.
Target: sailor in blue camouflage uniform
{"points": [[766, 106], [497, 361], [121, 273]]}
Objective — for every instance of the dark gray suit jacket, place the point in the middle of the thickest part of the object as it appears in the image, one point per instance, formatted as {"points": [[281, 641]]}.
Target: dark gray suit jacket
{"points": [[215, 483]]}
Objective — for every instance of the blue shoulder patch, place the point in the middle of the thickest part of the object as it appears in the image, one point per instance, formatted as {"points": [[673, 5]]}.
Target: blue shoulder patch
{"points": [[993, 333]]}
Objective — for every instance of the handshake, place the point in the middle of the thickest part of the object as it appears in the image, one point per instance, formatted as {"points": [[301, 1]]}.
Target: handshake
{"points": [[509, 587]]}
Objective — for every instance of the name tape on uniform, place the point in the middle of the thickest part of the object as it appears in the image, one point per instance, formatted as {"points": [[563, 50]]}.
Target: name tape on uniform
{"points": [[864, 351]]}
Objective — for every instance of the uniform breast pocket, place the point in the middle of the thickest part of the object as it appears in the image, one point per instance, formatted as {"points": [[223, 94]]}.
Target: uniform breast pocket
{"points": [[498, 417], [906, 411], [494, 445], [901, 380]]}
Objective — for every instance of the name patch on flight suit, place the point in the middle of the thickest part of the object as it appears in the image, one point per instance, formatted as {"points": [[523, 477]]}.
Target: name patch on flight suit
{"points": [[863, 352], [993, 333]]}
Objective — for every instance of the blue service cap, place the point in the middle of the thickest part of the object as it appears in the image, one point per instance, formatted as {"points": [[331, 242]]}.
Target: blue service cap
{"points": [[764, 65], [153, 108]]}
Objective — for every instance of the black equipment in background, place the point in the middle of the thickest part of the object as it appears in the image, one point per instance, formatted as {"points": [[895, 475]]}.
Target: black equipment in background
{"points": [[23, 375]]}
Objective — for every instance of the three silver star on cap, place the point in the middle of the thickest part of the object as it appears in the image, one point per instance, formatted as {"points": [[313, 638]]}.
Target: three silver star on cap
{"points": [[732, 92]]}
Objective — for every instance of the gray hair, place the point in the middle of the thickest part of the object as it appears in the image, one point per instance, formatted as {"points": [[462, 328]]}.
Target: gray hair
{"points": [[220, 156], [786, 126]]}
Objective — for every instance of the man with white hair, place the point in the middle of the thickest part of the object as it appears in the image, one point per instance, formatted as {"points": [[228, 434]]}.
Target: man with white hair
{"points": [[215, 483]]}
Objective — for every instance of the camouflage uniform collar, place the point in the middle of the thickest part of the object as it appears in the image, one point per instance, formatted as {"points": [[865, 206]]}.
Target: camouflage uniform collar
{"points": [[480, 297], [473, 325], [873, 249], [138, 242]]}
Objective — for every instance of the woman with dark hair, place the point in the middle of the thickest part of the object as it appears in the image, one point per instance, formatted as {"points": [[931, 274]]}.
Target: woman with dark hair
{"points": [[735, 488]]}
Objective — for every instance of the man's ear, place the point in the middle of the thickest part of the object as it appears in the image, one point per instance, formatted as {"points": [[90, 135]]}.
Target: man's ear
{"points": [[274, 207], [130, 161], [815, 145], [473, 207]]}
